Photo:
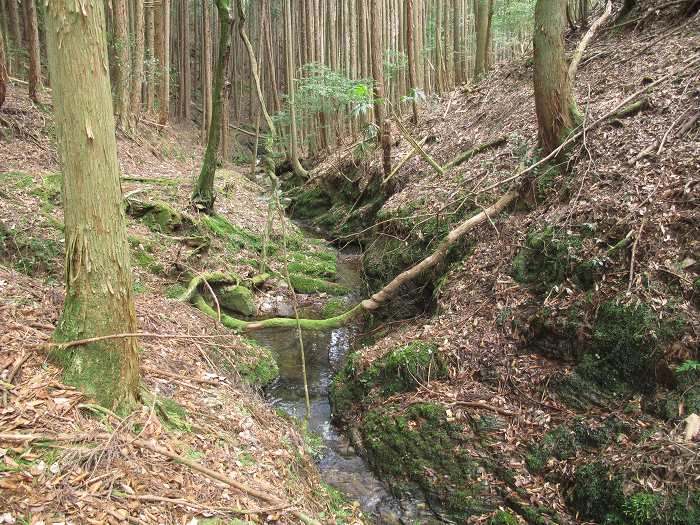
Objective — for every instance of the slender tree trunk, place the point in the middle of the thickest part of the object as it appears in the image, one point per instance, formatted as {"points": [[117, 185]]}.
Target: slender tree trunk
{"points": [[151, 55], [137, 60], [99, 297], [291, 90], [410, 47], [32, 33], [122, 63], [204, 195], [3, 71], [378, 75], [206, 71], [15, 34], [556, 108], [165, 79]]}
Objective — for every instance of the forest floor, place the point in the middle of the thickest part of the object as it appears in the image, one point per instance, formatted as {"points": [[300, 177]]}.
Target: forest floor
{"points": [[201, 393], [545, 380]]}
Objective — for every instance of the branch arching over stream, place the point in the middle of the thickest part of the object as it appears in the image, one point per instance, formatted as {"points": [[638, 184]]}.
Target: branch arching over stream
{"points": [[367, 305]]}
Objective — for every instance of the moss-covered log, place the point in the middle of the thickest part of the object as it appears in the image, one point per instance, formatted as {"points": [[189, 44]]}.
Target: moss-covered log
{"points": [[632, 109]]}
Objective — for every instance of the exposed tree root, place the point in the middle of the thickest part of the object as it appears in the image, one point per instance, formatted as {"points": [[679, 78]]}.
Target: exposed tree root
{"points": [[148, 445], [210, 278]]}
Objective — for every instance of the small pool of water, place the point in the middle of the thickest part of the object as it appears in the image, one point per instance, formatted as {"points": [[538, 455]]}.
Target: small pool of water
{"points": [[325, 354]]}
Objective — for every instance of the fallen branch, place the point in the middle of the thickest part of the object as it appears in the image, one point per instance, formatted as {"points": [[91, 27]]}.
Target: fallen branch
{"points": [[198, 467], [578, 55], [632, 109], [404, 160], [476, 404], [470, 153], [688, 125], [417, 147]]}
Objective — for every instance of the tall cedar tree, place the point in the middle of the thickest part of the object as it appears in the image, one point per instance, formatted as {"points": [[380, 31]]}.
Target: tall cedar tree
{"points": [[32, 33], [383, 128], [204, 196], [99, 298], [3, 71], [291, 91], [555, 105]]}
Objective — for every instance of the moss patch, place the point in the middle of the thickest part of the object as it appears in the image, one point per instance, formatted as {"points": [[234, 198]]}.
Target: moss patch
{"points": [[307, 285], [237, 299], [27, 254], [421, 447]]}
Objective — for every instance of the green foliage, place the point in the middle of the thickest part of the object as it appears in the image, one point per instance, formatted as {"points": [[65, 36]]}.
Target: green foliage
{"points": [[688, 366], [502, 517], [597, 495], [642, 508], [175, 291], [560, 443]]}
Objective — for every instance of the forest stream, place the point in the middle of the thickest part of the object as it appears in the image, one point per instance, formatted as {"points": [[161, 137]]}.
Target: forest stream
{"points": [[325, 353]]}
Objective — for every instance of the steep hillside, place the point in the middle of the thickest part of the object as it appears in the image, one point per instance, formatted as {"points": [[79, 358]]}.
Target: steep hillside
{"points": [[201, 382], [543, 374]]}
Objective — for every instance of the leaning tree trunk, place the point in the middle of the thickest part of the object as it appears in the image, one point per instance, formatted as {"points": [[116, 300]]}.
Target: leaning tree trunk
{"points": [[99, 298], [204, 196], [555, 105], [32, 33]]}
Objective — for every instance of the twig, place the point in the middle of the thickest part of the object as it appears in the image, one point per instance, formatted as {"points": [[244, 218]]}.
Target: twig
{"points": [[668, 131], [140, 335], [181, 501], [688, 125], [634, 252], [404, 160], [163, 373], [477, 404], [198, 467], [438, 169]]}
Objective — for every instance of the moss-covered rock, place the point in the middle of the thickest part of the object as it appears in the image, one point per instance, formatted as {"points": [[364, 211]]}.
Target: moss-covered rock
{"points": [[158, 215], [237, 299], [319, 264], [418, 446], [307, 285], [548, 257], [401, 370]]}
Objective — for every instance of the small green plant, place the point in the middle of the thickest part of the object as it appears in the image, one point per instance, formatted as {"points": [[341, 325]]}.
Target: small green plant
{"points": [[642, 508], [688, 366]]}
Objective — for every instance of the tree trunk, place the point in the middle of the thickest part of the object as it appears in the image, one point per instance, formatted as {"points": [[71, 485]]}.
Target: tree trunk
{"points": [[15, 34], [185, 68], [122, 63], [206, 70], [204, 196], [383, 130], [151, 55], [99, 298], [165, 67], [556, 108], [137, 60], [410, 48], [3, 71], [32, 33], [481, 27], [290, 68]]}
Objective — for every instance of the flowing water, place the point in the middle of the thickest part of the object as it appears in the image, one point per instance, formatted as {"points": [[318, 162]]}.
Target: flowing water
{"points": [[325, 354]]}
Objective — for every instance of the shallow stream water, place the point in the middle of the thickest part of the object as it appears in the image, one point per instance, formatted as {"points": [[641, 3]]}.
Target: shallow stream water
{"points": [[325, 354]]}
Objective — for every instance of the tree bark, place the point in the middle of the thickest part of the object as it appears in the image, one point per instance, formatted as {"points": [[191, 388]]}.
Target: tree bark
{"points": [[556, 109], [383, 130], [206, 71], [15, 34], [410, 48], [137, 60], [99, 298], [151, 55], [32, 33], [204, 195], [291, 90], [122, 64], [165, 67], [3, 71], [481, 26]]}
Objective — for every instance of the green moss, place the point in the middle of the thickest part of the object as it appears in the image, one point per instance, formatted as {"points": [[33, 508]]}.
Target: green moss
{"points": [[642, 508], [162, 217], [238, 238], [335, 306], [403, 369], [677, 403], [146, 261], [175, 291], [683, 508], [696, 292], [309, 202], [305, 284], [547, 259], [259, 367], [421, 447], [502, 517], [596, 494], [237, 299], [339, 508], [173, 415], [15, 180], [49, 191], [29, 255], [313, 264], [559, 443]]}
